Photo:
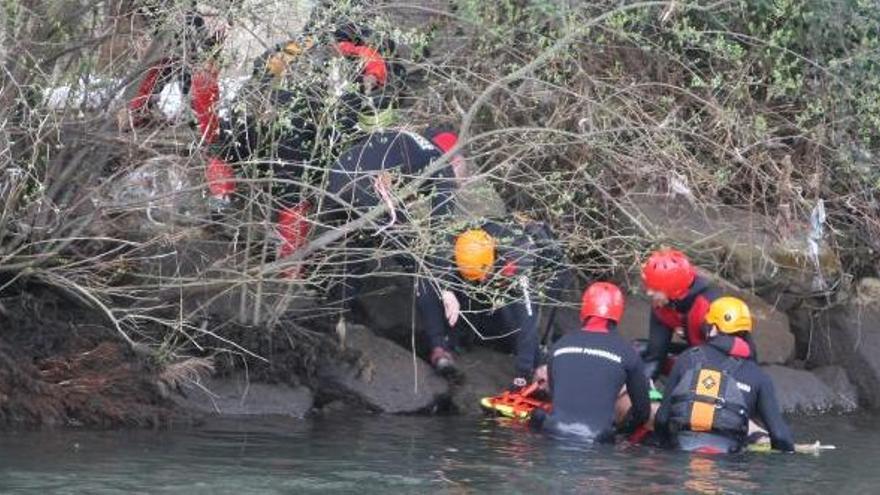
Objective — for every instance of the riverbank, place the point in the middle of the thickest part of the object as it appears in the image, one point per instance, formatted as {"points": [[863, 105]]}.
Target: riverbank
{"points": [[62, 365]]}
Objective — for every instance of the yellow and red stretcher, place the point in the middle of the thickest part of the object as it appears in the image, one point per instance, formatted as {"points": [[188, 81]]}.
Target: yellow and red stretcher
{"points": [[516, 405]]}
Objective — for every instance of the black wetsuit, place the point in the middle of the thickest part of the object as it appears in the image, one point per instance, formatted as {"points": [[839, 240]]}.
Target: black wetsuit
{"points": [[352, 192], [587, 370], [404, 155], [755, 386]]}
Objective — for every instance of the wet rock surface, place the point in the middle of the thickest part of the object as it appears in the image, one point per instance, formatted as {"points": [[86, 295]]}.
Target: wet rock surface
{"points": [[384, 377], [803, 392], [759, 252], [848, 335], [237, 396]]}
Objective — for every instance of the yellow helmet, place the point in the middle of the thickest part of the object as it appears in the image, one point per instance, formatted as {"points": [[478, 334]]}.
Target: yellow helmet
{"points": [[278, 62], [474, 254], [730, 315]]}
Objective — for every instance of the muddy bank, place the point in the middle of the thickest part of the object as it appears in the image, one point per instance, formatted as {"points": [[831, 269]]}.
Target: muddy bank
{"points": [[61, 365]]}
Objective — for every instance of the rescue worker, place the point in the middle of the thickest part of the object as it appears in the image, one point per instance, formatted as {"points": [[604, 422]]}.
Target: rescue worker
{"points": [[295, 127], [589, 369], [369, 173], [486, 285], [714, 389], [680, 299]]}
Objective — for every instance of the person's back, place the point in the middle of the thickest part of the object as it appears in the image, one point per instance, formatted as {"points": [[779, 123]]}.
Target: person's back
{"points": [[403, 155], [715, 388], [587, 372], [588, 369]]}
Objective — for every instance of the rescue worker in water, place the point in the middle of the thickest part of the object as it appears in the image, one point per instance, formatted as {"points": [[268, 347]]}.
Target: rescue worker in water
{"points": [[588, 369], [715, 388], [679, 299]]}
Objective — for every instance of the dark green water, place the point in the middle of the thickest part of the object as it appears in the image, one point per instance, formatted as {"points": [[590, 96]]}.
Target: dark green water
{"points": [[417, 455]]}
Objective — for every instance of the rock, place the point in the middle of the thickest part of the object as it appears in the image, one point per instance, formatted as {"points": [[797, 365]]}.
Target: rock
{"points": [[636, 316], [773, 338], [386, 378], [837, 380], [800, 391], [486, 372], [378, 294], [848, 335], [758, 252], [772, 332], [236, 397]]}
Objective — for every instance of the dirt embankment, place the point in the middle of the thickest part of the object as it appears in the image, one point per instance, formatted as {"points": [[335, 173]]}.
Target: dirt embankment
{"points": [[61, 366]]}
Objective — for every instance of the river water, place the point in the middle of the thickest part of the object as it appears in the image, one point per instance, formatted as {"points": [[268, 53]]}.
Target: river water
{"points": [[378, 454]]}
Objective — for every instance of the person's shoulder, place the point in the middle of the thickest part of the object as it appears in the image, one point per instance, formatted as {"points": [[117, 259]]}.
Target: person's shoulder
{"points": [[626, 350], [569, 339]]}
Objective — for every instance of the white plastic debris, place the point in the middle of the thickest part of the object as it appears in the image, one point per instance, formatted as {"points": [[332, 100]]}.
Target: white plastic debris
{"points": [[814, 239]]}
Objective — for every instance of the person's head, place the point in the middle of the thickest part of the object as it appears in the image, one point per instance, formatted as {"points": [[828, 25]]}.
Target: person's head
{"points": [[475, 254], [603, 300], [667, 275], [728, 315]]}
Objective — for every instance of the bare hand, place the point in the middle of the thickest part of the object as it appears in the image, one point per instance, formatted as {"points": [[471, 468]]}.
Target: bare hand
{"points": [[451, 307]]}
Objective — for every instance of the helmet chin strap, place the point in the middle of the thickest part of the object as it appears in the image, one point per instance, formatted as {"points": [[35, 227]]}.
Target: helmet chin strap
{"points": [[709, 330]]}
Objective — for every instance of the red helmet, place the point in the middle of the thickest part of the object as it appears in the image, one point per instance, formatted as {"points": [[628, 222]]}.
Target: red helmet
{"points": [[602, 299], [670, 272]]}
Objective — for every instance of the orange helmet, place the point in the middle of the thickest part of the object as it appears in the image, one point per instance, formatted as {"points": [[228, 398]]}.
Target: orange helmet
{"points": [[474, 254], [602, 299], [670, 272]]}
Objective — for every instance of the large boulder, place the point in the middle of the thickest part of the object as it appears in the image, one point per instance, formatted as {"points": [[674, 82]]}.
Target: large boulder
{"points": [[485, 373], [773, 338], [838, 381], [799, 391], [385, 305], [385, 377], [849, 335], [756, 251], [237, 396], [772, 334]]}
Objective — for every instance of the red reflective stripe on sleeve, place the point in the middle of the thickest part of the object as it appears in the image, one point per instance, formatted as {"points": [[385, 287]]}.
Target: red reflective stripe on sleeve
{"points": [[347, 48], [509, 269], [696, 316], [293, 228], [639, 435], [669, 317], [205, 94], [221, 178], [147, 87]]}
